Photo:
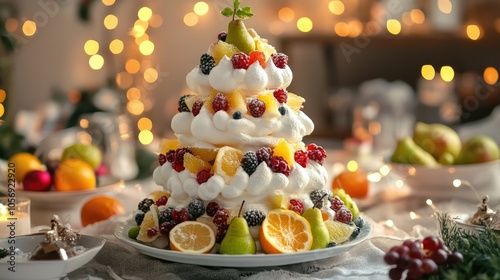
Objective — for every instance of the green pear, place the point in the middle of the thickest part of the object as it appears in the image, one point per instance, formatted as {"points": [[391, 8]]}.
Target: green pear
{"points": [[408, 152], [238, 239], [238, 35], [89, 153], [321, 236], [480, 148], [437, 139]]}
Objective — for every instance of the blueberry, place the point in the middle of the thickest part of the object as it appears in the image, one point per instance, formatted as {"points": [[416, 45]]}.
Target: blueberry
{"points": [[331, 244], [359, 222], [282, 110], [138, 218], [237, 115], [355, 233]]}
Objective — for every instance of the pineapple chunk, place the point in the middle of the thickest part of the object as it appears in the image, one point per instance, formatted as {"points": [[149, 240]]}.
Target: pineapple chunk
{"points": [[271, 103], [295, 102], [220, 49], [285, 150], [168, 144], [237, 102]]}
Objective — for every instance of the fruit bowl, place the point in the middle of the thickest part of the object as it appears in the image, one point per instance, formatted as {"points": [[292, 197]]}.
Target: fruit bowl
{"points": [[437, 183]]}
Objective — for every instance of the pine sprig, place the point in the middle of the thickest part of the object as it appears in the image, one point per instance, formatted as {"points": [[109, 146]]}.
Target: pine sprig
{"points": [[237, 11], [481, 251]]}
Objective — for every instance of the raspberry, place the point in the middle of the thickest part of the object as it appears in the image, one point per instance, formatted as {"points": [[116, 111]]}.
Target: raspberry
{"points": [[280, 60], [221, 233], [264, 155], [316, 196], [178, 162], [237, 115], [161, 201], [166, 227], [220, 218], [301, 158], [197, 107], [336, 203], [207, 62], [240, 61], [162, 159], [344, 215], [256, 108], [279, 165], [257, 56], [316, 153], [182, 104], [195, 208], [220, 102], [249, 163], [296, 205], [152, 231], [254, 217], [179, 216], [282, 110], [212, 208], [222, 36], [170, 156], [165, 215], [145, 204], [281, 95], [203, 175], [138, 218]]}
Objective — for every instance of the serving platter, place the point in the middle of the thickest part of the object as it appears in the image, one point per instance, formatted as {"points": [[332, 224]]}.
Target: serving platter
{"points": [[257, 260]]}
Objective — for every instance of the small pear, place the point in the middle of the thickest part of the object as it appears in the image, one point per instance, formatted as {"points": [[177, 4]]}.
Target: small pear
{"points": [[437, 139], [238, 239], [321, 236], [238, 35], [410, 153], [480, 148]]}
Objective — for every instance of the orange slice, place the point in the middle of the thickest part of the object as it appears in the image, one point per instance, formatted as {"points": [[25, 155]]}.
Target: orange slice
{"points": [[285, 150], [192, 237], [206, 154], [285, 231], [194, 163], [227, 161], [237, 102], [295, 102], [168, 144], [155, 195], [150, 220]]}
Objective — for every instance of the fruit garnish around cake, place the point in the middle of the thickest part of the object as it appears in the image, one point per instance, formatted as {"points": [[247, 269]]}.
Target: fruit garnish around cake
{"points": [[237, 33]]}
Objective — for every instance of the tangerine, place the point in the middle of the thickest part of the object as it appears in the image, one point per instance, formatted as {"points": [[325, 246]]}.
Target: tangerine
{"points": [[23, 164], [100, 208], [74, 175], [354, 183]]}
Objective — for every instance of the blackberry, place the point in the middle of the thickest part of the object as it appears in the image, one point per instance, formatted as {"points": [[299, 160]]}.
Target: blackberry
{"points": [[182, 104], [316, 196], [301, 158], [138, 218], [207, 62], [237, 115], [279, 165], [197, 107], [165, 215], [220, 103], [282, 110], [254, 217], [281, 95], [195, 209], [170, 156], [249, 163], [355, 233], [178, 162], [145, 204], [256, 107], [359, 222], [264, 154], [221, 233], [166, 227]]}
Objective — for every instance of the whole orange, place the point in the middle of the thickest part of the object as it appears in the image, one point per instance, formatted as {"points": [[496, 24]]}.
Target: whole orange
{"points": [[100, 208], [354, 183], [74, 175], [23, 163]]}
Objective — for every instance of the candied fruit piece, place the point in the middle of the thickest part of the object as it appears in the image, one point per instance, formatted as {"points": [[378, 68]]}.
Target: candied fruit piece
{"points": [[194, 163], [221, 48], [271, 103], [237, 102], [285, 150], [168, 144], [295, 102], [264, 47], [206, 154]]}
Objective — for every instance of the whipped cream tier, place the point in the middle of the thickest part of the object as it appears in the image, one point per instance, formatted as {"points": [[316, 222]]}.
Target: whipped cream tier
{"points": [[224, 78], [209, 130], [254, 189]]}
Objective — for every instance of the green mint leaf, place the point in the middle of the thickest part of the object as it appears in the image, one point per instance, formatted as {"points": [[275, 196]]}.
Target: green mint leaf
{"points": [[227, 12], [245, 12]]}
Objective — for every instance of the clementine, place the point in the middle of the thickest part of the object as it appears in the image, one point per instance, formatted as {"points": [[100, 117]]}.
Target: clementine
{"points": [[74, 175], [100, 208], [23, 163], [354, 183]]}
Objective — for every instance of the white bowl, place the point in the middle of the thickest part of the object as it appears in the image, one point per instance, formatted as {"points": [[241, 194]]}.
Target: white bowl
{"points": [[47, 270], [436, 183]]}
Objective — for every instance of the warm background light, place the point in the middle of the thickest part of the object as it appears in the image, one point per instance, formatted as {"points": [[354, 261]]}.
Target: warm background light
{"points": [[124, 80], [342, 29], [201, 8], [3, 95], [144, 124], [473, 31], [490, 76], [417, 16], [133, 94], [135, 107], [116, 46], [447, 73], [352, 166], [336, 7], [147, 47], [108, 2], [2, 110], [286, 14], [29, 28], [156, 21], [150, 75], [305, 24], [145, 13], [393, 26], [11, 25], [428, 72], [190, 19], [445, 6], [110, 22], [146, 137], [91, 47], [133, 66], [96, 62]]}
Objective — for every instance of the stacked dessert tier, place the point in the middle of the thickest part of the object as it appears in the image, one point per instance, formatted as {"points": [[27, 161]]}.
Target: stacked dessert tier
{"points": [[239, 138]]}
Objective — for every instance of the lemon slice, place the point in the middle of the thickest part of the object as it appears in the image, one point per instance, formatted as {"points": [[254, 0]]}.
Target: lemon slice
{"points": [[150, 220], [192, 237], [339, 232]]}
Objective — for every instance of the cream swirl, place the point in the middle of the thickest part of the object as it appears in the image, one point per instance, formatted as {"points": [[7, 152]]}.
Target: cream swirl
{"points": [[207, 130], [224, 78]]}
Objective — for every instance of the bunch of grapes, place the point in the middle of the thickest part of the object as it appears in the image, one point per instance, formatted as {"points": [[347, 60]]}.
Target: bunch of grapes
{"points": [[420, 258]]}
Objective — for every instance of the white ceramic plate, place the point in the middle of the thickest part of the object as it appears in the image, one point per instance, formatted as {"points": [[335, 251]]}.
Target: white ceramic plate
{"points": [[462, 221], [61, 200], [45, 270], [258, 260]]}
